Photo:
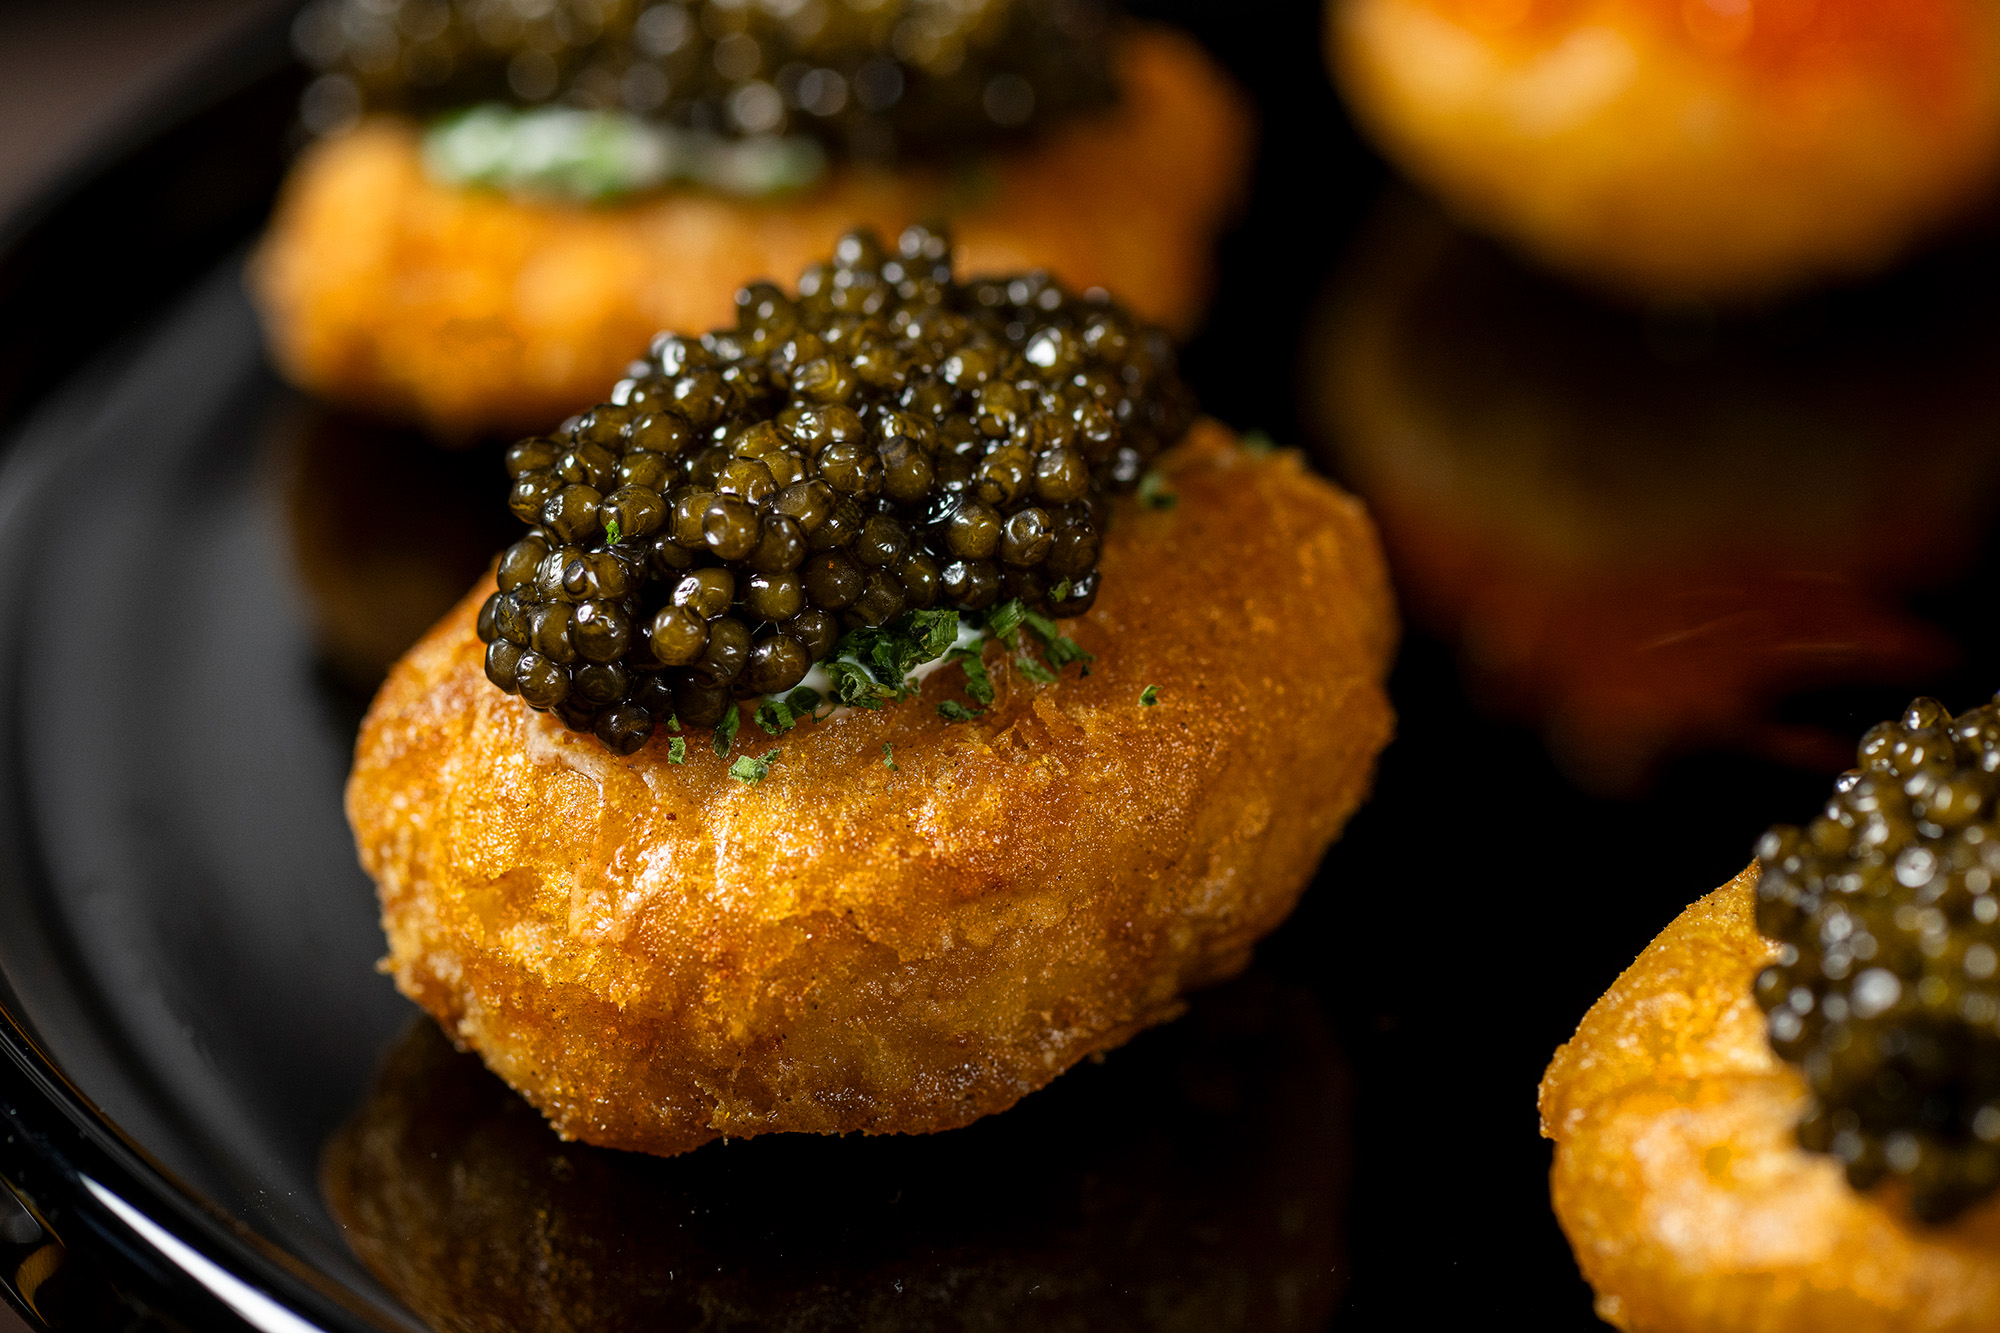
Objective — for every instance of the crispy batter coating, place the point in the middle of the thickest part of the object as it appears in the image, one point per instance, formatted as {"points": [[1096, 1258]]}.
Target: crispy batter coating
{"points": [[658, 955], [1690, 1205], [1686, 150], [1194, 1183], [470, 310]]}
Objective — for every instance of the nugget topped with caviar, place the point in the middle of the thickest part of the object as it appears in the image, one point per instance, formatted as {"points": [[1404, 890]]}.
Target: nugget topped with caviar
{"points": [[1886, 989], [888, 441], [861, 77]]}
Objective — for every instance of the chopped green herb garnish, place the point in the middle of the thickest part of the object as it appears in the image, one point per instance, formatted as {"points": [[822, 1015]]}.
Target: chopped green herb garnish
{"points": [[1061, 591], [753, 769], [1060, 648], [978, 684], [889, 757], [673, 722], [1153, 492], [613, 534], [677, 750], [776, 717], [1149, 696], [1026, 664], [1004, 619], [725, 731], [804, 701], [951, 710]]}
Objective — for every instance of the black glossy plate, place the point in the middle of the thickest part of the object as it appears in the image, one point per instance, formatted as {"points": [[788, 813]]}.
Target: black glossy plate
{"points": [[1346, 1138]]}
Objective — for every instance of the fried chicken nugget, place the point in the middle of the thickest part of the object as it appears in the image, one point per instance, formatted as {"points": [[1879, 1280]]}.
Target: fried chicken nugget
{"points": [[469, 310], [1682, 1189], [908, 923]]}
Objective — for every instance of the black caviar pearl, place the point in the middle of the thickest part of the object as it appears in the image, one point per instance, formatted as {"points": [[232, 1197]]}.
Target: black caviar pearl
{"points": [[881, 599], [602, 632], [552, 631], [781, 548], [973, 531], [1026, 537], [774, 596], [571, 513], [623, 729], [690, 507], [542, 683], [510, 620], [637, 511], [603, 427], [530, 493], [699, 703], [1024, 584], [839, 527], [654, 692], [534, 454], [502, 659], [882, 541], [808, 503], [576, 714], [907, 471], [817, 631], [706, 592], [730, 528], [662, 433], [777, 663], [1003, 478], [919, 574], [679, 635], [599, 683], [518, 563], [747, 479], [590, 465], [831, 580], [727, 652], [970, 585], [666, 559], [486, 626], [851, 468], [1061, 476], [1079, 597], [647, 470], [1073, 553]]}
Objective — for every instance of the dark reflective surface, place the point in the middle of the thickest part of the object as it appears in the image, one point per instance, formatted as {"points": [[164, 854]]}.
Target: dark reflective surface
{"points": [[1194, 1180]]}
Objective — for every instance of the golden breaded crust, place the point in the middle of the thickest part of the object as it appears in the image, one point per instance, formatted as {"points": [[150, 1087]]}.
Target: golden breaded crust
{"points": [[470, 310], [1678, 1181], [658, 955], [1613, 139]]}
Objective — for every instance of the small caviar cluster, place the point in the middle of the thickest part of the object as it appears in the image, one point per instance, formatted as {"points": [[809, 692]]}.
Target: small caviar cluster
{"points": [[1886, 992], [873, 78], [889, 444]]}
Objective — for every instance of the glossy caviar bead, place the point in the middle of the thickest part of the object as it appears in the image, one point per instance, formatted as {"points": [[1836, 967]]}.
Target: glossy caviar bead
{"points": [[1886, 992], [886, 440]]}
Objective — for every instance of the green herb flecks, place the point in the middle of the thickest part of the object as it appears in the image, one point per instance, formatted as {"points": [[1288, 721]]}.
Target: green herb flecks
{"points": [[1149, 696], [951, 710], [725, 731], [613, 534], [753, 769], [1153, 492], [777, 716], [889, 757], [677, 750]]}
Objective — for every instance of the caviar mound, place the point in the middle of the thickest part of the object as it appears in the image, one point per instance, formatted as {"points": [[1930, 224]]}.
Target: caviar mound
{"points": [[470, 310], [1884, 991], [872, 79], [890, 446], [1681, 1186], [1686, 151], [1131, 1196], [657, 954]]}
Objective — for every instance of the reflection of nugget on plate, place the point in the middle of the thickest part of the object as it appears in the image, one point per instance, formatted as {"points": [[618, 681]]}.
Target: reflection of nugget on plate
{"points": [[470, 309], [1686, 148], [657, 954], [1195, 1181]]}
